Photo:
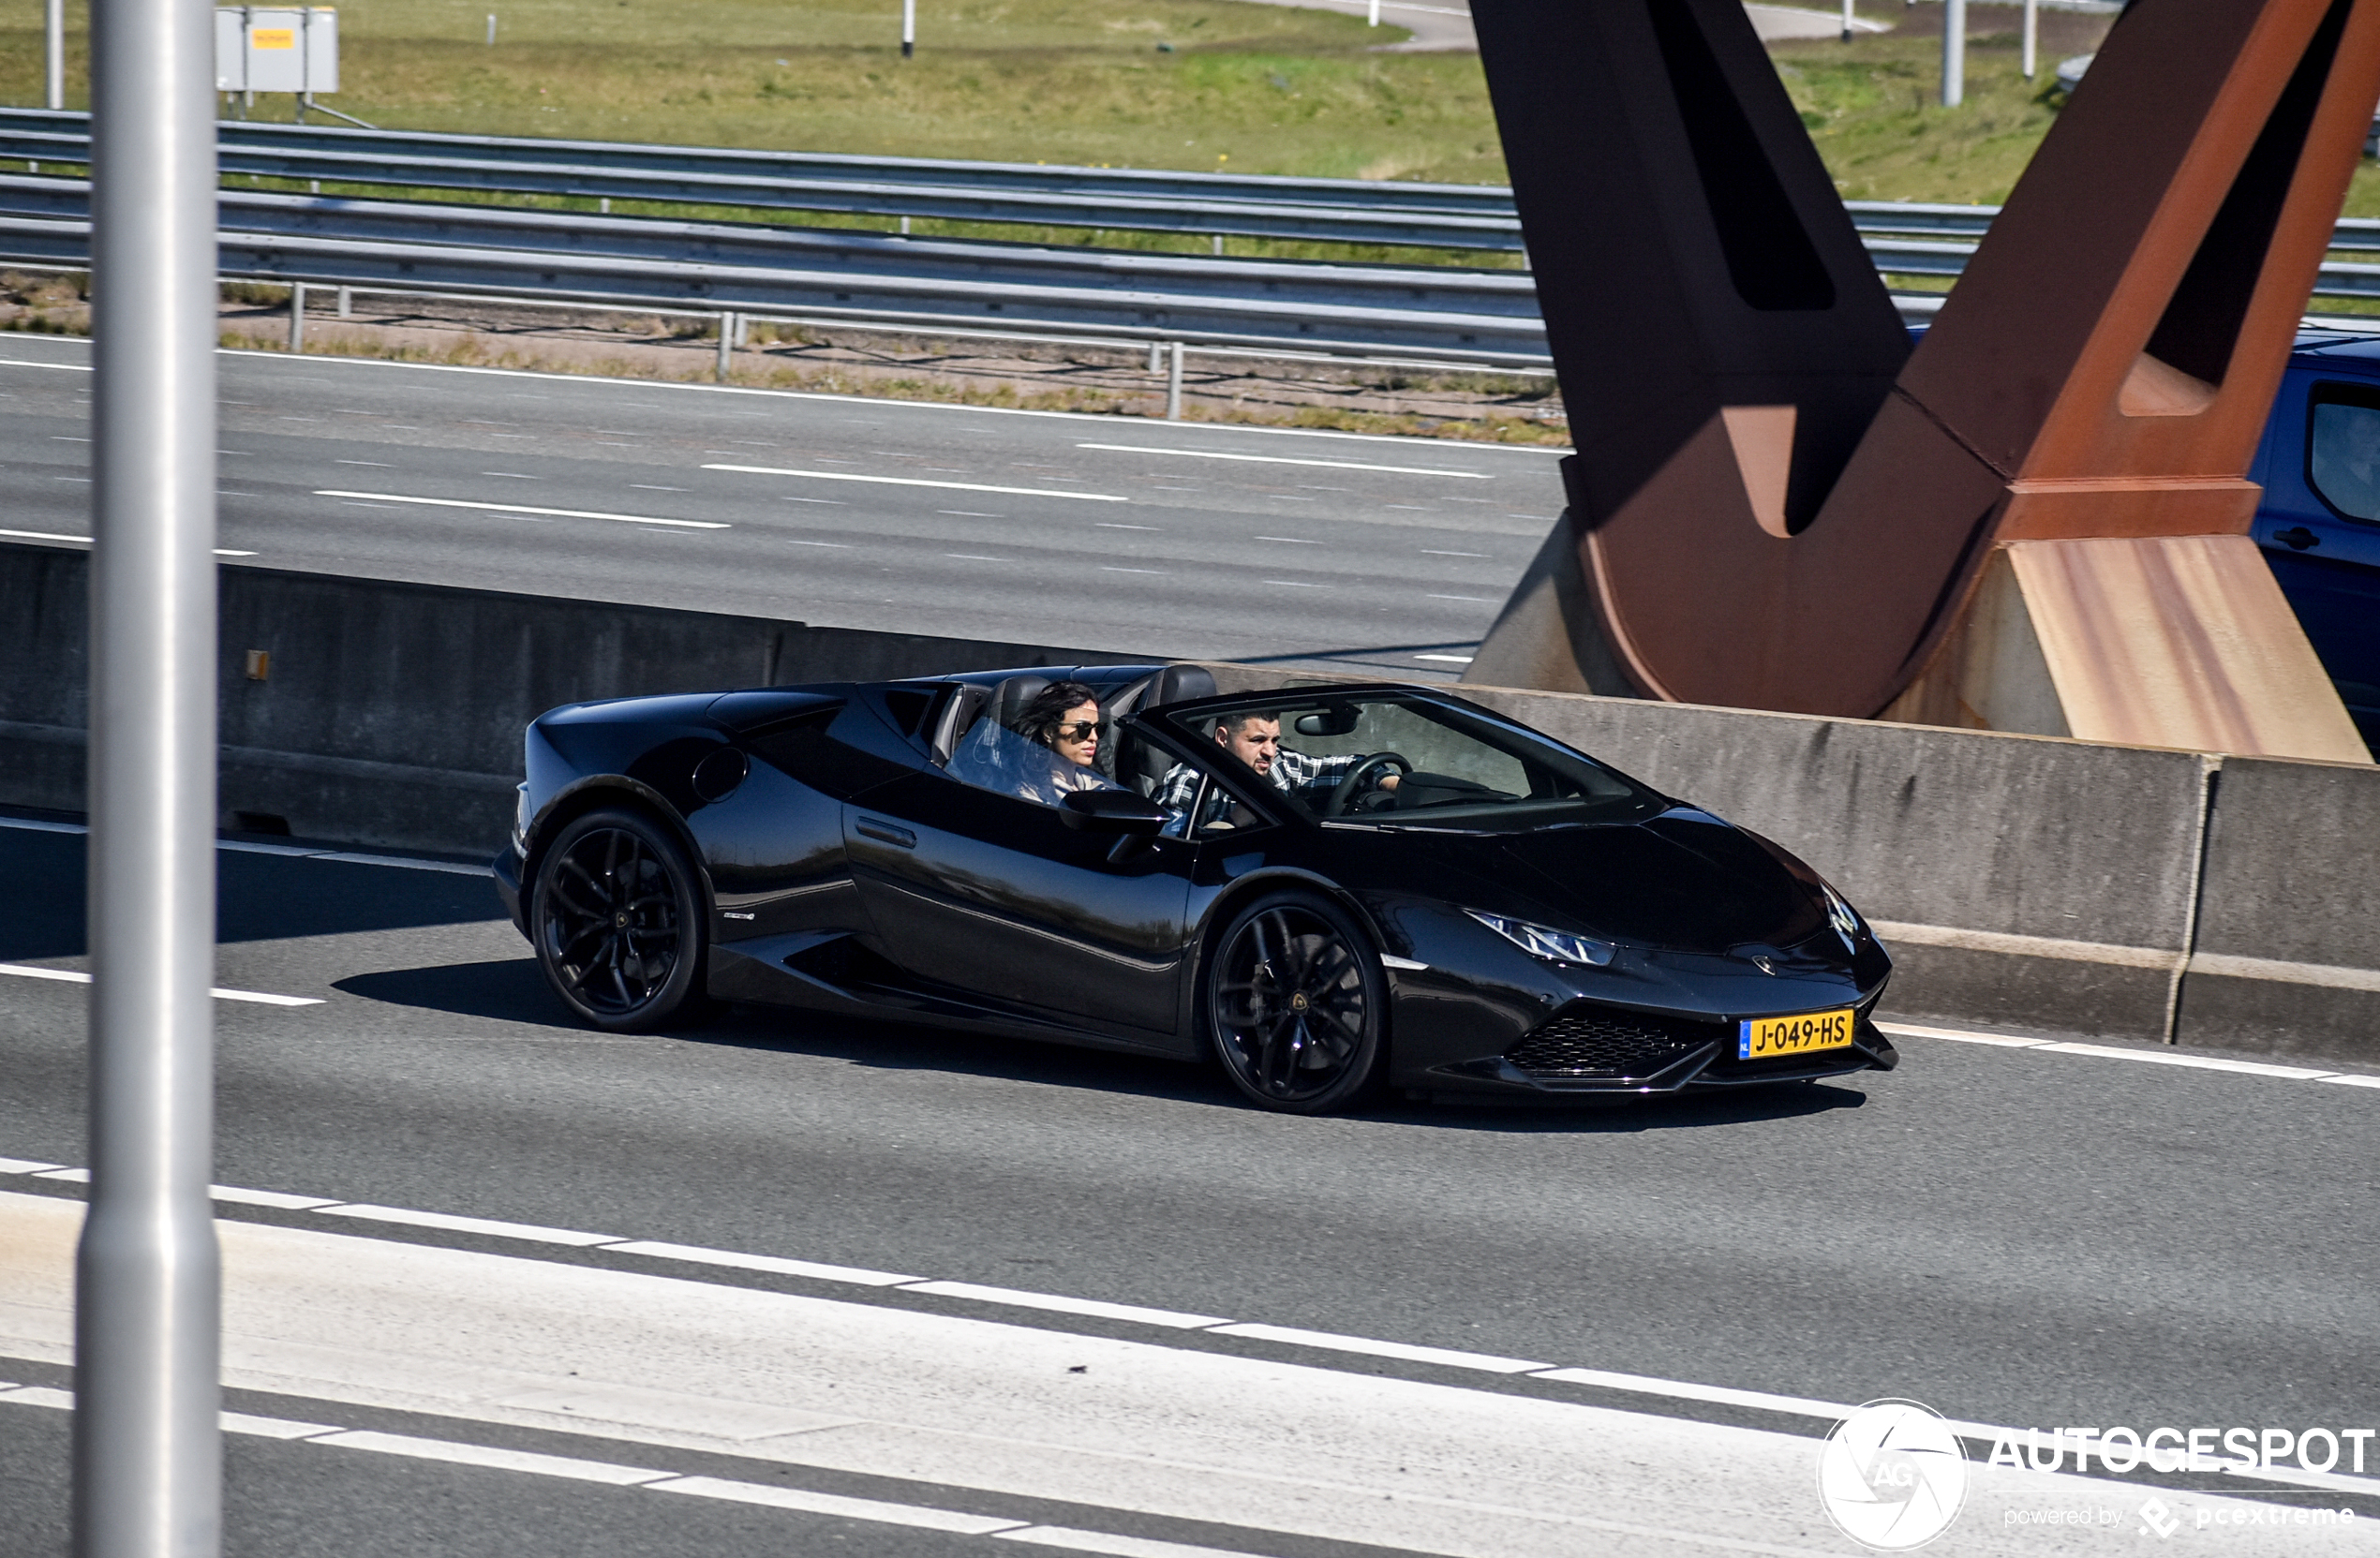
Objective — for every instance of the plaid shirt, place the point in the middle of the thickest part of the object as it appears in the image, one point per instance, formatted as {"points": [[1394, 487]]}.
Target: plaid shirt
{"points": [[1291, 771]]}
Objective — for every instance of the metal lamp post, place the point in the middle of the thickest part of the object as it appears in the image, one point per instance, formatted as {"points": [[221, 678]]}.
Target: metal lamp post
{"points": [[147, 1448], [1954, 53], [53, 34]]}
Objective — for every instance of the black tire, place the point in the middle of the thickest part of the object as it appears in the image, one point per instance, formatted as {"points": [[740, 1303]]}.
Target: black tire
{"points": [[616, 914], [1295, 1005]]}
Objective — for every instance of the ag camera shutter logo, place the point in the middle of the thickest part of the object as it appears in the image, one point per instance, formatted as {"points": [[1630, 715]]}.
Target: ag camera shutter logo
{"points": [[1892, 1476]]}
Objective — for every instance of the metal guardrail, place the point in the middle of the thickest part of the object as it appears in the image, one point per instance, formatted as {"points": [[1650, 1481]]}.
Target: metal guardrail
{"points": [[1488, 317], [1346, 210]]}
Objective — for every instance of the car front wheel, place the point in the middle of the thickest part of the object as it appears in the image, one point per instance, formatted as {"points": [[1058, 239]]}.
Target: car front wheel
{"points": [[618, 919], [1295, 1003]]}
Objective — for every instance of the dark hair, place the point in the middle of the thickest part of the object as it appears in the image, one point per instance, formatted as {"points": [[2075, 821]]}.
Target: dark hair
{"points": [[1240, 718], [1042, 717]]}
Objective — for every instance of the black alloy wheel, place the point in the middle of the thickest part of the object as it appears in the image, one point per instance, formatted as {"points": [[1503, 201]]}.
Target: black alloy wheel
{"points": [[1295, 1003], [618, 920]]}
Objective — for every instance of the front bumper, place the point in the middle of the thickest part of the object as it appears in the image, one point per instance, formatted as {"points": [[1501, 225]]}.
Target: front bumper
{"points": [[1705, 1067]]}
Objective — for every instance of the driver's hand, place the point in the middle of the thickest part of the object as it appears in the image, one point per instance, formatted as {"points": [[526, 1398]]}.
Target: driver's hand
{"points": [[1389, 781]]}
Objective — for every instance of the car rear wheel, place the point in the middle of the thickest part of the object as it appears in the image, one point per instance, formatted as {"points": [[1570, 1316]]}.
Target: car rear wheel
{"points": [[617, 918], [1295, 1003]]}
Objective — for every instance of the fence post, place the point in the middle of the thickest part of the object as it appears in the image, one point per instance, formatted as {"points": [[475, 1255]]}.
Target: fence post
{"points": [[1173, 381], [347, 302], [727, 342], [297, 316]]}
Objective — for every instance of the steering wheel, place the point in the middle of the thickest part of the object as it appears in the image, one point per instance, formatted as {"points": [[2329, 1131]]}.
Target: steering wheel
{"points": [[1353, 782]]}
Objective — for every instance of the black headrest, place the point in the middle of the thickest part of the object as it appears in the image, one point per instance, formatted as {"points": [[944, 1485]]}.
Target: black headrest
{"points": [[1178, 684], [1015, 693]]}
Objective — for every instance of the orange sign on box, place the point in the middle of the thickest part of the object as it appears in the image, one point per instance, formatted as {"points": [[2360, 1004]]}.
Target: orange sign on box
{"points": [[273, 37]]}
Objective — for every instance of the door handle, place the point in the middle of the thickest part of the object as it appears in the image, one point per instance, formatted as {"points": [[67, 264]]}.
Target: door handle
{"points": [[887, 833], [2296, 539]]}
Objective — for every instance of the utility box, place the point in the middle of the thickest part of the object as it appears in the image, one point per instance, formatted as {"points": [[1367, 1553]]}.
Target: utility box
{"points": [[276, 49]]}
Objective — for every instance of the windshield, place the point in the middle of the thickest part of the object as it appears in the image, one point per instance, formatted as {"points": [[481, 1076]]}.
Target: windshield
{"points": [[1406, 759]]}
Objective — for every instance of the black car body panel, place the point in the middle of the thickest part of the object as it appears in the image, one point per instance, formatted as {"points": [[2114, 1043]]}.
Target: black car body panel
{"points": [[848, 871]]}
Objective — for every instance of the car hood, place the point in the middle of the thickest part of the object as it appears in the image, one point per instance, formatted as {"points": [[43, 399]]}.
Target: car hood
{"points": [[1683, 880]]}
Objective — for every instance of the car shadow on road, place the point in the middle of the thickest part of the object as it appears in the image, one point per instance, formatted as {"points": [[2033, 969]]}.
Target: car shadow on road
{"points": [[511, 991]]}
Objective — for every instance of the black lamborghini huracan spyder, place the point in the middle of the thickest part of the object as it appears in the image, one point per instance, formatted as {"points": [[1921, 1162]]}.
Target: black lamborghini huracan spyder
{"points": [[1414, 892]]}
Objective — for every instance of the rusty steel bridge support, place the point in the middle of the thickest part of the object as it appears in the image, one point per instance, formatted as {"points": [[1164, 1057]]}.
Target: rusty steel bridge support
{"points": [[2036, 520]]}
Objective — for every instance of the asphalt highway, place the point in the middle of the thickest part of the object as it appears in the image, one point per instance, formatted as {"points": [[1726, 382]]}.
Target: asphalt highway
{"points": [[1104, 533], [2013, 1237]]}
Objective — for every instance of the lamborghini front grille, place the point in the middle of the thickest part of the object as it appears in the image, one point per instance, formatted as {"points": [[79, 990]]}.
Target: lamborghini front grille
{"points": [[1592, 1041]]}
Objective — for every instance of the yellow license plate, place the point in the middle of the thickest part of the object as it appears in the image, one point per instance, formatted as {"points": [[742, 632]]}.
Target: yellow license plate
{"points": [[1765, 1038]]}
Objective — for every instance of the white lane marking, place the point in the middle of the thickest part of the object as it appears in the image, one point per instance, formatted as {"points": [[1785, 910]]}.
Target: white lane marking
{"points": [[513, 475], [1113, 525], [274, 1427], [971, 1337], [834, 1503], [497, 1459], [490, 1226], [85, 540], [1289, 460], [1481, 598], [21, 362], [1118, 1547], [1294, 540], [25, 1165], [2153, 1056], [1446, 1357], [974, 557], [397, 861], [1298, 584], [1106, 569], [67, 437], [832, 545], [1171, 1319], [277, 1199], [2197, 1063], [75, 977], [70, 1176], [736, 1260], [916, 482], [648, 486], [377, 465], [832, 502], [1450, 659], [525, 509]]}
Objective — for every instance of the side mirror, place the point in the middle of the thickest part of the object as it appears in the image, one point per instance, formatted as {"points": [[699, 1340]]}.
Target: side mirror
{"points": [[1114, 812]]}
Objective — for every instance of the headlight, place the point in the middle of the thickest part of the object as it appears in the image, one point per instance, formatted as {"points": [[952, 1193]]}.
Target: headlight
{"points": [[1842, 916], [1539, 941]]}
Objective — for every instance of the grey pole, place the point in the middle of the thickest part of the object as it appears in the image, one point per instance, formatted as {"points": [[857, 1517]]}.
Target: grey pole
{"points": [[2032, 37], [1173, 381], [726, 344], [147, 1443], [297, 318], [54, 31], [1954, 53], [907, 28]]}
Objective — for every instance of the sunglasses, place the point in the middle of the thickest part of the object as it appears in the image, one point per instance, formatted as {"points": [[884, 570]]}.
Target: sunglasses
{"points": [[1081, 730]]}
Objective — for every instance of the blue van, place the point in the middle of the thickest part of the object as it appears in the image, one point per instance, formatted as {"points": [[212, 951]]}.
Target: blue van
{"points": [[2319, 524]]}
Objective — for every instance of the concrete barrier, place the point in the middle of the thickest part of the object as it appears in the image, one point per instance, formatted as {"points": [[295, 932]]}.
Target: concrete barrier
{"points": [[2288, 933], [2025, 881], [391, 713]]}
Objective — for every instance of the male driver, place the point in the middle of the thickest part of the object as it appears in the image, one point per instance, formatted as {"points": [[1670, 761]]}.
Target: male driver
{"points": [[1253, 736]]}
